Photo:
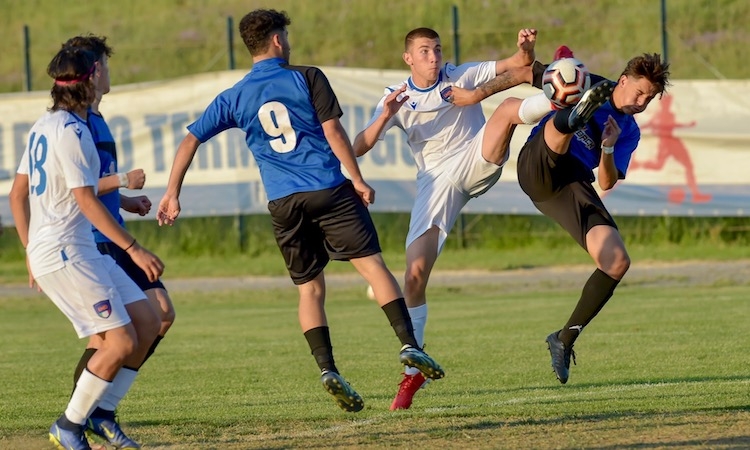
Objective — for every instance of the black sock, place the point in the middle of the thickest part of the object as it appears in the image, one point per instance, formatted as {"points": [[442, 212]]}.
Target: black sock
{"points": [[398, 315], [319, 340], [596, 292], [82, 363], [65, 423], [537, 70], [100, 413], [152, 348], [560, 121]]}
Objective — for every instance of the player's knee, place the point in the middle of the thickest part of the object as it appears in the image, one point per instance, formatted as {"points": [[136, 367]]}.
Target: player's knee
{"points": [[622, 263], [167, 318], [415, 283]]}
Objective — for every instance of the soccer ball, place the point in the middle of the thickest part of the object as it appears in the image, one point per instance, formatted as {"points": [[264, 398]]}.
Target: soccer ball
{"points": [[370, 293], [565, 81]]}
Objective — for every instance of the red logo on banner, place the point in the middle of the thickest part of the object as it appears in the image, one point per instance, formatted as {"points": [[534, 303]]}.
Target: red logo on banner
{"points": [[663, 124]]}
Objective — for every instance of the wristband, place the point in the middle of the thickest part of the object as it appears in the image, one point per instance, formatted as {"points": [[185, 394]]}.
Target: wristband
{"points": [[129, 246], [608, 150], [123, 177]]}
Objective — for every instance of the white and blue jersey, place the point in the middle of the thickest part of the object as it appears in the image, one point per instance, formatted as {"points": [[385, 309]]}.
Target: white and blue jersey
{"points": [[60, 156], [280, 108], [105, 146]]}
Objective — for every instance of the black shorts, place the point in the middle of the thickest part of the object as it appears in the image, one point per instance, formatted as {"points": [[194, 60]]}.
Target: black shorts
{"points": [[560, 187], [123, 260], [311, 228]]}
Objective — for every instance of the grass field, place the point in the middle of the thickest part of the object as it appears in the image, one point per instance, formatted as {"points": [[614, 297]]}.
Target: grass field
{"points": [[659, 368]]}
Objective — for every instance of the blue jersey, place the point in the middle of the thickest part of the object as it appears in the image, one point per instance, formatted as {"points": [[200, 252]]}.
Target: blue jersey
{"points": [[105, 145], [280, 108], [587, 142]]}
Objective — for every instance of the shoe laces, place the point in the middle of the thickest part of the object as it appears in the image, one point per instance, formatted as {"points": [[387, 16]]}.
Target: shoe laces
{"points": [[570, 353]]}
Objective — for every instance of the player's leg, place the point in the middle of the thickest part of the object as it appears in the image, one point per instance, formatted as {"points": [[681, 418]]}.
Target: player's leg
{"points": [[302, 245], [76, 290], [558, 131], [421, 255], [146, 322], [580, 211], [312, 319], [391, 300], [161, 302], [498, 130]]}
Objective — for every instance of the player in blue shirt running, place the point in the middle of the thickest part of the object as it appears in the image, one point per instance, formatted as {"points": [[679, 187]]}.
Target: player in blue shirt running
{"points": [[290, 116]]}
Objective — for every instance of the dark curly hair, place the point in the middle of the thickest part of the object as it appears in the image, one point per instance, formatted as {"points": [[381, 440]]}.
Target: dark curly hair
{"points": [[72, 69], [651, 67], [256, 28], [96, 44]]}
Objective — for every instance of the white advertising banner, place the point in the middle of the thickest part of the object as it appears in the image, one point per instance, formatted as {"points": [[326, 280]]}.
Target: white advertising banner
{"points": [[693, 159]]}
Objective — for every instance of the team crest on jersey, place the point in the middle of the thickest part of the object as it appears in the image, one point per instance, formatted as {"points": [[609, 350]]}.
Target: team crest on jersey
{"points": [[103, 309], [447, 94]]}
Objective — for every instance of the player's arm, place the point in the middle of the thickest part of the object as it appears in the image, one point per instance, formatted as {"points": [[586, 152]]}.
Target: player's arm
{"points": [[169, 207], [99, 216], [367, 138], [19, 206], [525, 55], [608, 175], [505, 80], [135, 179], [509, 72], [339, 142]]}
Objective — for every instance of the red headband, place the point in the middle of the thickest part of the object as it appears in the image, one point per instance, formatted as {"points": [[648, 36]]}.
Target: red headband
{"points": [[83, 77]]}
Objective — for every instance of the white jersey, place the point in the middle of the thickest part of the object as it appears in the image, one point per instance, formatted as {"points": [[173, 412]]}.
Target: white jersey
{"points": [[435, 128], [60, 156]]}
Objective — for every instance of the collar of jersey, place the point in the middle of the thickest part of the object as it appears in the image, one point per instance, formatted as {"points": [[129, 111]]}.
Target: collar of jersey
{"points": [[269, 62], [414, 87]]}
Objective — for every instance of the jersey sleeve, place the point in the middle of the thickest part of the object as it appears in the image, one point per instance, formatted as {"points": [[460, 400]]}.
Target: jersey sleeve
{"points": [[470, 75], [323, 98], [77, 154], [217, 117], [624, 148]]}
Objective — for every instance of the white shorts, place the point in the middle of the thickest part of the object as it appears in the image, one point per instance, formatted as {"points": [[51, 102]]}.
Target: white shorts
{"points": [[92, 294], [445, 190]]}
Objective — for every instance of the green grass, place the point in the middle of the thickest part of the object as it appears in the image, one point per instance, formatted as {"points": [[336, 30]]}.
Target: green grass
{"points": [[156, 40], [659, 368], [219, 246]]}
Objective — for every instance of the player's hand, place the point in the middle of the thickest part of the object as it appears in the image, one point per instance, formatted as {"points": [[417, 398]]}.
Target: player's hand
{"points": [[169, 210], [152, 266], [365, 192], [611, 132], [32, 280], [461, 97], [136, 179], [140, 205], [526, 43], [394, 100]]}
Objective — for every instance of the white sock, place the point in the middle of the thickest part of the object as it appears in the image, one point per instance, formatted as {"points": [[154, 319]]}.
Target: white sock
{"points": [[120, 386], [89, 390], [534, 108], [419, 322]]}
